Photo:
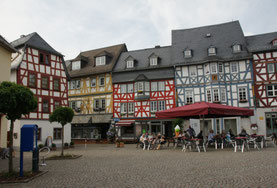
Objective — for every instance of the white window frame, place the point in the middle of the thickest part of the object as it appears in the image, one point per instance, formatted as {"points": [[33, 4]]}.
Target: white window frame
{"points": [[274, 43], [193, 71], [100, 60], [189, 96], [123, 108], [161, 105], [154, 86], [78, 84], [236, 48], [209, 95], [187, 53], [271, 67], [234, 67], [161, 86], [93, 82], [211, 51], [273, 90], [130, 88], [76, 65], [131, 108], [103, 103], [213, 68], [153, 61], [216, 95], [153, 106], [130, 64], [242, 93], [220, 68], [140, 86], [123, 88], [100, 80], [72, 84], [223, 94]]}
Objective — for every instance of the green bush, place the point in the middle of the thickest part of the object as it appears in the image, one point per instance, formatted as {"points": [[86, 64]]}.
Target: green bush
{"points": [[66, 144], [72, 143], [53, 145], [40, 146]]}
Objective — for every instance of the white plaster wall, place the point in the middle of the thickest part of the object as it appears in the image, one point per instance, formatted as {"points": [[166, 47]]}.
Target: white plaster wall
{"points": [[47, 129]]}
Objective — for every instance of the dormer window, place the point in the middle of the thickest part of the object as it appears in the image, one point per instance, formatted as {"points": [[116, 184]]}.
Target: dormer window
{"points": [[211, 51], [274, 43], [130, 64], [188, 53], [76, 65], [236, 48], [153, 61], [100, 60]]}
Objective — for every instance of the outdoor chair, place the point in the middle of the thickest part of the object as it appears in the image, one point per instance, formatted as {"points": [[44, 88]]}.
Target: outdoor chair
{"points": [[259, 142], [219, 142], [270, 139], [187, 144], [229, 142], [239, 144], [211, 142], [200, 144]]}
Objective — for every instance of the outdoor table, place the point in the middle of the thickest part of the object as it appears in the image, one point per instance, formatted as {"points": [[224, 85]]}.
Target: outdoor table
{"points": [[194, 142], [263, 142]]}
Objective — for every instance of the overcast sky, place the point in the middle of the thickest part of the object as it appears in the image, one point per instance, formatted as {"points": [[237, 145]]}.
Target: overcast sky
{"points": [[71, 26]]}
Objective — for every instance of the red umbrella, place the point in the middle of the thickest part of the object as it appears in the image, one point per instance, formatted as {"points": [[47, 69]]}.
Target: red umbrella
{"points": [[204, 109]]}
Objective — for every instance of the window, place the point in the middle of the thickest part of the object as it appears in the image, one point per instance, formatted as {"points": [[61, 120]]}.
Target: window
{"points": [[44, 58], [44, 82], [56, 84], [130, 64], [223, 95], [123, 108], [73, 84], [100, 60], [102, 81], [187, 53], [207, 69], [274, 43], [45, 106], [216, 95], [234, 67], [96, 103], [212, 51], [140, 86], [161, 86], [213, 68], [189, 97], [103, 103], [154, 86], [130, 88], [161, 105], [78, 84], [270, 68], [153, 106], [209, 95], [72, 104], [39, 134], [220, 68], [153, 61], [192, 71], [131, 108], [57, 133], [272, 90], [76, 65], [123, 88], [242, 94], [99, 104], [56, 104], [93, 82], [32, 80], [236, 48]]}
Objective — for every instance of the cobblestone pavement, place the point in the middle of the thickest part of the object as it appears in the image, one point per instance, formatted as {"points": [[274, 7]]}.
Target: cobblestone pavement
{"points": [[107, 166]]}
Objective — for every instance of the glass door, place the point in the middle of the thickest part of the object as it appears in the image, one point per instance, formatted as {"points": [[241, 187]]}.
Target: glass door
{"points": [[271, 123]]}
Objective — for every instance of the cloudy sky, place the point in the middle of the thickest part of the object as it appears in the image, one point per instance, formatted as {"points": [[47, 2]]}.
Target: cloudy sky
{"points": [[72, 26]]}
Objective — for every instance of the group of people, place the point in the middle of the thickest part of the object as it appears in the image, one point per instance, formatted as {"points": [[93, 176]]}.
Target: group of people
{"points": [[151, 141]]}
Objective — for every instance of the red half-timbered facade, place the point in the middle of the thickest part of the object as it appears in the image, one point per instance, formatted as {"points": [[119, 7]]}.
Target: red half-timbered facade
{"points": [[39, 67], [143, 83]]}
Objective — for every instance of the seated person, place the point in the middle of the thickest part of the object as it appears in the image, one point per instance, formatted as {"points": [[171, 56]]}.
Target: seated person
{"points": [[143, 140], [243, 133], [223, 134], [191, 132], [200, 135], [211, 136], [161, 142], [231, 133]]}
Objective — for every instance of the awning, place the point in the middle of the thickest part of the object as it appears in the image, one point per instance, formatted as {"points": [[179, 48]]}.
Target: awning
{"points": [[95, 118], [125, 123]]}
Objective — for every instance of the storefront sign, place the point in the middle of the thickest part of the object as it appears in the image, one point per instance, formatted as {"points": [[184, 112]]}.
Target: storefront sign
{"points": [[261, 118]]}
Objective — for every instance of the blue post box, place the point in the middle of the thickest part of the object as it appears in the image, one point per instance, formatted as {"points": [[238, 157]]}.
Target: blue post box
{"points": [[28, 142]]}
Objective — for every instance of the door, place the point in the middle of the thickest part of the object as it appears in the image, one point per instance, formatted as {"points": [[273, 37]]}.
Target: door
{"points": [[271, 123]]}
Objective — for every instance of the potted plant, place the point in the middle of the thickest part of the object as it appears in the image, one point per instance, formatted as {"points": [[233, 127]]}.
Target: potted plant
{"points": [[53, 147], [71, 144], [40, 146], [254, 127], [66, 145]]}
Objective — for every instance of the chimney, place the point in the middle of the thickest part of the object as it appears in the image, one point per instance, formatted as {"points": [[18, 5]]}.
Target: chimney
{"points": [[21, 36], [157, 46]]}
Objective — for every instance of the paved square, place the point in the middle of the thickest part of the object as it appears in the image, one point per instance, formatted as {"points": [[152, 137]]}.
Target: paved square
{"points": [[107, 166]]}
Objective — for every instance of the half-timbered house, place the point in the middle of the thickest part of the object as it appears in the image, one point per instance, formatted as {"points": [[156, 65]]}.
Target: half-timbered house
{"points": [[212, 64], [90, 92], [143, 83], [264, 50], [41, 68]]}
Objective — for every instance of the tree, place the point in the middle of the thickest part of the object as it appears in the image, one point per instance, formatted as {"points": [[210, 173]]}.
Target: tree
{"points": [[62, 115], [15, 101]]}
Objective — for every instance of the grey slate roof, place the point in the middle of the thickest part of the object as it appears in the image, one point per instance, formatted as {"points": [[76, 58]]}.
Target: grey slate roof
{"points": [[5, 44], [163, 70], [223, 37], [36, 41], [89, 68], [262, 42]]}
